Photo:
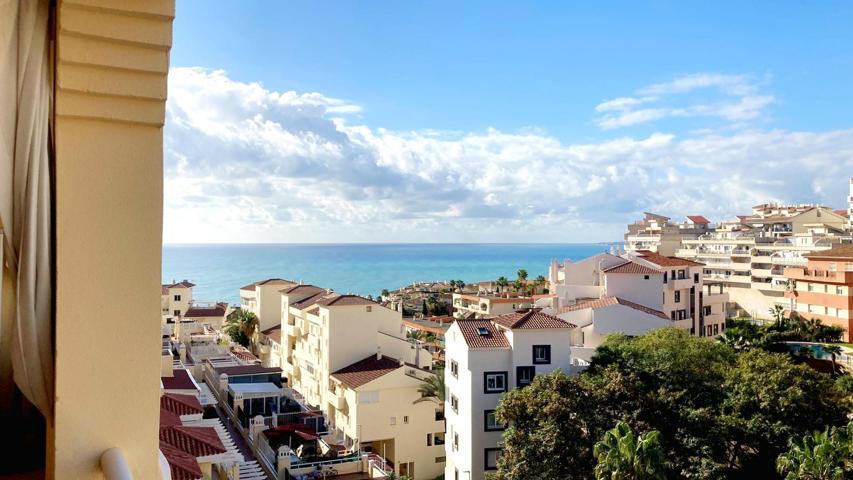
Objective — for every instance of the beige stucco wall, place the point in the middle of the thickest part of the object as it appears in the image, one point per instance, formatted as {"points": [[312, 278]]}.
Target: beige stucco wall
{"points": [[112, 64]]}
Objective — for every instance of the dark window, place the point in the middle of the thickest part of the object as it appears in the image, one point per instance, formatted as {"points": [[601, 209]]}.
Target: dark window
{"points": [[524, 375], [677, 296], [454, 403], [177, 313], [664, 277], [494, 382], [177, 298], [541, 354], [491, 422], [672, 314], [454, 368], [695, 278], [645, 277], [491, 458]]}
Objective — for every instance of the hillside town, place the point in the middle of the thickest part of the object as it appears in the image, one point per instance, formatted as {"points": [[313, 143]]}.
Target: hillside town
{"points": [[299, 381]]}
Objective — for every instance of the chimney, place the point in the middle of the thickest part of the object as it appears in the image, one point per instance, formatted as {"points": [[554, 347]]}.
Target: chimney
{"points": [[379, 353]]}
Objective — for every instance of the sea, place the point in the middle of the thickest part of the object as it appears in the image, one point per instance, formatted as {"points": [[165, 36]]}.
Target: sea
{"points": [[220, 270]]}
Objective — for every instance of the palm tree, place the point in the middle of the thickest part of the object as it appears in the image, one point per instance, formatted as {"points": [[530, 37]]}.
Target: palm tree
{"points": [[518, 285], [418, 335], [432, 390], [622, 456], [818, 456], [241, 326], [540, 281], [778, 314], [502, 283], [522, 274], [832, 350]]}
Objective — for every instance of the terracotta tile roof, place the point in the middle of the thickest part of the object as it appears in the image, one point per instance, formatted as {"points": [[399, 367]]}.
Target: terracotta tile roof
{"points": [[665, 261], [345, 301], [842, 212], [531, 319], [366, 370], [607, 302], [698, 219], [244, 354], [217, 310], [841, 252], [169, 419], [180, 404], [633, 268], [164, 289], [269, 281], [309, 300], [179, 381], [196, 441], [491, 337], [182, 465], [246, 370], [273, 334], [302, 290]]}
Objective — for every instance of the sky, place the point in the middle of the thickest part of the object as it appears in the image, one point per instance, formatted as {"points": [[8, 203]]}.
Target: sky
{"points": [[381, 121]]}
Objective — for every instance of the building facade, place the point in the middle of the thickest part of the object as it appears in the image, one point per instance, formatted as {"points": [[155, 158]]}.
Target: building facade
{"points": [[823, 288]]}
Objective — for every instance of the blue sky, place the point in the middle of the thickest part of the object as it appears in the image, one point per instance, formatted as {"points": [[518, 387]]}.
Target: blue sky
{"points": [[528, 94]]}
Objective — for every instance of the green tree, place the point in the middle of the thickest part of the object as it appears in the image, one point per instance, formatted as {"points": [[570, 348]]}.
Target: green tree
{"points": [[385, 293], [833, 351], [540, 281], [522, 274], [817, 456], [777, 312], [518, 285], [432, 390], [241, 325], [771, 400], [622, 456], [502, 283]]}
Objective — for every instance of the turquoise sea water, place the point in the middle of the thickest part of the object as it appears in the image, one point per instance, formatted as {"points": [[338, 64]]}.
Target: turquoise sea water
{"points": [[220, 270]]}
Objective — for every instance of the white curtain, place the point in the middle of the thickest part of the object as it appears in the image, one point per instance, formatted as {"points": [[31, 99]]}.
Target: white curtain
{"points": [[25, 200]]}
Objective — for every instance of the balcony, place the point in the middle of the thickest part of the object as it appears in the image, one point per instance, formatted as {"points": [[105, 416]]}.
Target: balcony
{"points": [[293, 330], [822, 276], [721, 278], [716, 298]]}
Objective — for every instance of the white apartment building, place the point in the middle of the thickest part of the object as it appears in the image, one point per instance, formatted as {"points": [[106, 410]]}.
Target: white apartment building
{"points": [[349, 357], [483, 306], [485, 359], [747, 257], [648, 284], [175, 298], [656, 233], [263, 299]]}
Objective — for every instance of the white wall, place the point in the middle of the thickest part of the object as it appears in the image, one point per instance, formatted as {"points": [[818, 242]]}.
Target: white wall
{"points": [[635, 288]]}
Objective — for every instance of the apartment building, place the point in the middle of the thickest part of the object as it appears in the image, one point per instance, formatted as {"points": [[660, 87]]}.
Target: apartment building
{"points": [[349, 357], [747, 257], [263, 299], [483, 306], [657, 233], [485, 359], [651, 285], [823, 288], [271, 350], [176, 298]]}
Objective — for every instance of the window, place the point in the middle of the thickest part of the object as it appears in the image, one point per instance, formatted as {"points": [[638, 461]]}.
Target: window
{"points": [[177, 313], [368, 397], [438, 438], [695, 278], [455, 441], [454, 368], [682, 274], [716, 329], [177, 298], [429, 439], [454, 403], [645, 277], [810, 287], [707, 309], [494, 382], [839, 290], [405, 419], [368, 308], [664, 277], [524, 375], [541, 354], [491, 461], [672, 314], [491, 422], [677, 296], [455, 474], [663, 298], [440, 459]]}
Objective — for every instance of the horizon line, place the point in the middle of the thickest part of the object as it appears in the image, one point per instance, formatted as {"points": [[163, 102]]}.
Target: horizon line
{"points": [[191, 244]]}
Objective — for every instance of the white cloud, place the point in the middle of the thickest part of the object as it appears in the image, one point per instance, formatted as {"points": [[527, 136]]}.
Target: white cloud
{"points": [[737, 98], [244, 163]]}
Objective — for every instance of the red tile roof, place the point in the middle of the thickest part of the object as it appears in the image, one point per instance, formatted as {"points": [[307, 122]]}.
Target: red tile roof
{"points": [[665, 261], [366, 370], [196, 441], [246, 370], [302, 290], [633, 268], [180, 404], [269, 281], [345, 301], [217, 310], [179, 381], [244, 354], [842, 252], [531, 319], [493, 337], [169, 419], [273, 334], [310, 300], [182, 465], [698, 219], [607, 302]]}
